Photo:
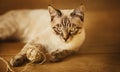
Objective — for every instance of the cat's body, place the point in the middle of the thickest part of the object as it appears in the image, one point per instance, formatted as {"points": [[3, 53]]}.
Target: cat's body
{"points": [[37, 27], [25, 23]]}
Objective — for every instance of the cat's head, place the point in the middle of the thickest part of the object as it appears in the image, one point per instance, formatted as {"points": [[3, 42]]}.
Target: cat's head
{"points": [[67, 23]]}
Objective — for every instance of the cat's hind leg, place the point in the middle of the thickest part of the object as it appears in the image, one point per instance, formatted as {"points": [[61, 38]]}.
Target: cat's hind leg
{"points": [[7, 27]]}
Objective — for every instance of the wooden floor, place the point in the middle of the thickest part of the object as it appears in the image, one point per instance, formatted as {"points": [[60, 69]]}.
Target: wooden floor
{"points": [[99, 53]]}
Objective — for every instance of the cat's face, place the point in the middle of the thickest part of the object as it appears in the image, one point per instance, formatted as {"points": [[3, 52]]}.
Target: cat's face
{"points": [[66, 23]]}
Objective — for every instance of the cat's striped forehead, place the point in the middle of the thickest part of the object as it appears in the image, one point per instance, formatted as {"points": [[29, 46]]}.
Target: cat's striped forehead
{"points": [[66, 19], [66, 12]]}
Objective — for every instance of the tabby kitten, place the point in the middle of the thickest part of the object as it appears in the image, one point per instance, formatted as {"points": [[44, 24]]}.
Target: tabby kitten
{"points": [[59, 32]]}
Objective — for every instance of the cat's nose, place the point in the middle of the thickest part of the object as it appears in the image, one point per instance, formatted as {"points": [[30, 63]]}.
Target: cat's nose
{"points": [[65, 34], [66, 37]]}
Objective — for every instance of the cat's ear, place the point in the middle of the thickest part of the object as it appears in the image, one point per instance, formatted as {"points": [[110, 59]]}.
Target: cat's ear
{"points": [[81, 9], [79, 12], [54, 12]]}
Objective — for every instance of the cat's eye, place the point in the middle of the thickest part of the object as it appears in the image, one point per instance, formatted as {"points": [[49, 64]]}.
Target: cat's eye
{"points": [[72, 29], [60, 32], [59, 29], [72, 32]]}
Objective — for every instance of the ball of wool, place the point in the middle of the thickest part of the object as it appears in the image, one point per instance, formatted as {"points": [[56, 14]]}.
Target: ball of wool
{"points": [[35, 55]]}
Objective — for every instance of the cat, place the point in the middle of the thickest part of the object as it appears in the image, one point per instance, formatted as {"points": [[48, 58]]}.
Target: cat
{"points": [[60, 32]]}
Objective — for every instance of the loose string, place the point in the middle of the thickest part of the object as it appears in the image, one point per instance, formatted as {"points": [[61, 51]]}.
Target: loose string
{"points": [[11, 70], [44, 58], [8, 66]]}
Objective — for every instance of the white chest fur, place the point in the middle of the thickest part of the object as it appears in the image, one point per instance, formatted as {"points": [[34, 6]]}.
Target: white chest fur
{"points": [[53, 42]]}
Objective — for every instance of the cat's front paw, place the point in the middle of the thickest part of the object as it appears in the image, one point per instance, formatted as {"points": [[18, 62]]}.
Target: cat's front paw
{"points": [[56, 56], [59, 55], [18, 60]]}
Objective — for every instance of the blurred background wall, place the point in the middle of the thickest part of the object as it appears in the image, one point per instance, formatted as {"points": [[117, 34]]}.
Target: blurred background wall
{"points": [[6, 5]]}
